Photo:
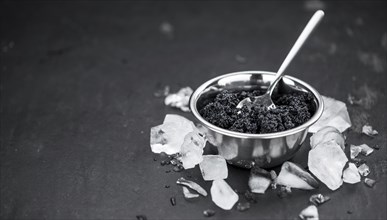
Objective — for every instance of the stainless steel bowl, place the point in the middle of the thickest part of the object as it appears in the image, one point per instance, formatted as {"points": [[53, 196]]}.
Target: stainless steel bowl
{"points": [[241, 149]]}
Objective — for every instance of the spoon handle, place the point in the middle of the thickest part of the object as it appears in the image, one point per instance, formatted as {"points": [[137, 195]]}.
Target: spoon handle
{"points": [[313, 22]]}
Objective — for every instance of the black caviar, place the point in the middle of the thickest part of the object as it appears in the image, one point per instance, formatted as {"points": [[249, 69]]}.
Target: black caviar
{"points": [[292, 110]]}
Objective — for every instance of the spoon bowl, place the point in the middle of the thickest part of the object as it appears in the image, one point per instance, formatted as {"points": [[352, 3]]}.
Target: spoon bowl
{"points": [[265, 99]]}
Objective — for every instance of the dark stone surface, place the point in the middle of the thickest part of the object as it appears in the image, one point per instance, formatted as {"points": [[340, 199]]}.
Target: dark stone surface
{"points": [[77, 103]]}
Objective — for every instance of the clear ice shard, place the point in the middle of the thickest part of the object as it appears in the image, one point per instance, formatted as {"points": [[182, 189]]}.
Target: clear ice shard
{"points": [[259, 180], [191, 152], [366, 150], [223, 195], [189, 195], [169, 136], [354, 151], [180, 99], [326, 134], [351, 174], [213, 167], [363, 149], [192, 185], [292, 175], [309, 213], [364, 170], [335, 114], [319, 199], [369, 131], [326, 161]]}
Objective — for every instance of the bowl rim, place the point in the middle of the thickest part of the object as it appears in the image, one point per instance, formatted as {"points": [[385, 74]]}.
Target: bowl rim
{"points": [[196, 94]]}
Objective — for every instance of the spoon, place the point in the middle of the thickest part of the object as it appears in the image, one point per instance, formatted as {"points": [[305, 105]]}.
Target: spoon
{"points": [[265, 99]]}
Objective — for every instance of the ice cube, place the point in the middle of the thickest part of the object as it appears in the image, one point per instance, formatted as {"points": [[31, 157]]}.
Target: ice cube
{"points": [[179, 99], [326, 134], [294, 176], [335, 114], [369, 131], [364, 170], [192, 150], [180, 121], [326, 161], [354, 151], [259, 180], [213, 167], [309, 213], [351, 174], [169, 136], [223, 195]]}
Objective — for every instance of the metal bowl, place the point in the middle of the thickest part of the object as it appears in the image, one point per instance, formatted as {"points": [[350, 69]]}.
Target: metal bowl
{"points": [[242, 149]]}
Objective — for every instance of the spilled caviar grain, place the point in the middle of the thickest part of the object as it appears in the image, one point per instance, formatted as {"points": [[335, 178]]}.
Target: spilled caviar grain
{"points": [[208, 213], [292, 110], [141, 217]]}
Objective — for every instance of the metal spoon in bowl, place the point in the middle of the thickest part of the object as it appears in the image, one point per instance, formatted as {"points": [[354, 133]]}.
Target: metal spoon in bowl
{"points": [[265, 99]]}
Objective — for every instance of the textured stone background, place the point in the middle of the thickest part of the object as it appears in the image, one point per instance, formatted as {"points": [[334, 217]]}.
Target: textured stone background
{"points": [[77, 99]]}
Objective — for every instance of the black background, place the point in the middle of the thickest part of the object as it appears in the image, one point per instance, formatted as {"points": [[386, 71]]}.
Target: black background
{"points": [[77, 99]]}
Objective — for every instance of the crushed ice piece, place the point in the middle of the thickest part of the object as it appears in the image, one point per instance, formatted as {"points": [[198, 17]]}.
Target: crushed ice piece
{"points": [[294, 176], [354, 151], [351, 174], [192, 185], [208, 212], [335, 114], [259, 180], [326, 134], [309, 213], [326, 161], [319, 199], [364, 170], [369, 131], [366, 150], [243, 206], [169, 136], [223, 195], [189, 195], [213, 167], [369, 182], [179, 99], [191, 152]]}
